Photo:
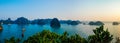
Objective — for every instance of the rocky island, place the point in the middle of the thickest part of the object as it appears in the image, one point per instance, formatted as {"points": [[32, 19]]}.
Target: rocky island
{"points": [[73, 22], [115, 23], [55, 23], [96, 23], [22, 20]]}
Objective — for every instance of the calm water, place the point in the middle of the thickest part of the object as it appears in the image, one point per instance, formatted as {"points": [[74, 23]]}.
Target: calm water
{"points": [[82, 30]]}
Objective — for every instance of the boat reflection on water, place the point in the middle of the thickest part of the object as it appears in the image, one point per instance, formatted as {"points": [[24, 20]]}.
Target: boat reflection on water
{"points": [[23, 30]]}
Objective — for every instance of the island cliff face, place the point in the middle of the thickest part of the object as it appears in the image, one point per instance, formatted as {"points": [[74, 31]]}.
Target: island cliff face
{"points": [[55, 23], [0, 27]]}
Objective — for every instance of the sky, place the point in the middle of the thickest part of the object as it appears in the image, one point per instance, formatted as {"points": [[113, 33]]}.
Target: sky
{"points": [[84, 10]]}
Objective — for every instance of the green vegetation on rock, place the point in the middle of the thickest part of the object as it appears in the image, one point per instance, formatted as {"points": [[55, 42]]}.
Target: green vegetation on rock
{"points": [[50, 37], [46, 36], [12, 40], [101, 36]]}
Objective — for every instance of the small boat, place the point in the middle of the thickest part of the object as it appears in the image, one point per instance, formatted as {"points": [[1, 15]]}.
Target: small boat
{"points": [[22, 34], [9, 24], [23, 30]]}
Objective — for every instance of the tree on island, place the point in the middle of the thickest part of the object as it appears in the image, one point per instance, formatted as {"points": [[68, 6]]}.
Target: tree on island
{"points": [[12, 40], [50, 37], [55, 23], [101, 36]]}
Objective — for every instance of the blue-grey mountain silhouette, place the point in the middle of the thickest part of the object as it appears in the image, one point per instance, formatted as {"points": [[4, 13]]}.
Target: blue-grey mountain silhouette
{"points": [[55, 23]]}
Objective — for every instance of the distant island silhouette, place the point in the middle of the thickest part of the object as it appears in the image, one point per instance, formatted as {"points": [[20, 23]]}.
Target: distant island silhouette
{"points": [[96, 23], [25, 21], [115, 23], [55, 23]]}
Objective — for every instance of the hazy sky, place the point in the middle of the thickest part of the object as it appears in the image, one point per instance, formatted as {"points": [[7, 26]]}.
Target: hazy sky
{"points": [[103, 10]]}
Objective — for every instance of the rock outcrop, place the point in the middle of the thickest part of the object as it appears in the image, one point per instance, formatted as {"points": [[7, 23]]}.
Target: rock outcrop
{"points": [[96, 23], [1, 27], [22, 20], [55, 23], [115, 23]]}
